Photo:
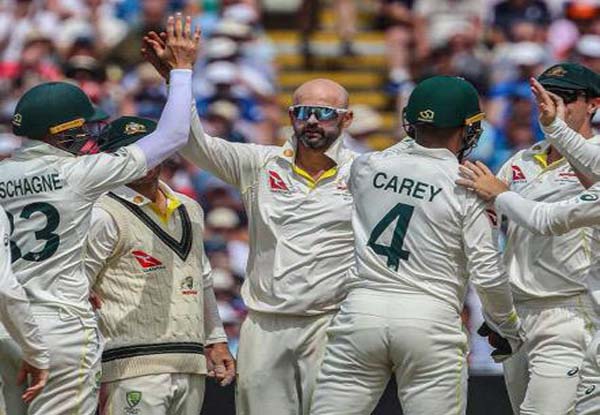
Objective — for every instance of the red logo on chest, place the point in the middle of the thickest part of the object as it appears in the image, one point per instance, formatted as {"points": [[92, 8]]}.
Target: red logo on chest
{"points": [[276, 183], [145, 260], [517, 174]]}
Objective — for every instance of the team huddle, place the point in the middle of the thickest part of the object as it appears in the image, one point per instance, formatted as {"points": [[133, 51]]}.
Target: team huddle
{"points": [[358, 267]]}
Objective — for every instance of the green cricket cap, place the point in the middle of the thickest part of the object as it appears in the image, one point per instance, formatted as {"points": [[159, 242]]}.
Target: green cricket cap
{"points": [[124, 131], [51, 108], [571, 76], [444, 101]]}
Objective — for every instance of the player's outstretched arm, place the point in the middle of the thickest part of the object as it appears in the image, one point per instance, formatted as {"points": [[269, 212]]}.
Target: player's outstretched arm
{"points": [[16, 316], [537, 217], [583, 155], [181, 48], [488, 275], [234, 163]]}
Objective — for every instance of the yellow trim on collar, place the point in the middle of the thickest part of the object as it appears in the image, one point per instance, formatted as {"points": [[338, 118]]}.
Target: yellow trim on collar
{"points": [[542, 159], [172, 204], [312, 182], [67, 126]]}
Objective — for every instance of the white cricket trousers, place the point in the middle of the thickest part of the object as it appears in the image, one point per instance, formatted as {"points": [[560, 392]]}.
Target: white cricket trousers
{"points": [[588, 393], [543, 376], [161, 394], [75, 350], [278, 361], [416, 337], [10, 392]]}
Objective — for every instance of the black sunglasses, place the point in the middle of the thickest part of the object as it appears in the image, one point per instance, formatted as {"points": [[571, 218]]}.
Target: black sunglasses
{"points": [[322, 113]]}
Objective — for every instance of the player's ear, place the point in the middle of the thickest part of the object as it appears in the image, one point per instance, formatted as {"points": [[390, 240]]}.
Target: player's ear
{"points": [[593, 105], [347, 119]]}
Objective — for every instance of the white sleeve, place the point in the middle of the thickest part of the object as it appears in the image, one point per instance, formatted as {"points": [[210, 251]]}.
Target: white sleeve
{"points": [[487, 272], [15, 312], [552, 218], [213, 327], [101, 242], [583, 155], [96, 174], [234, 163]]}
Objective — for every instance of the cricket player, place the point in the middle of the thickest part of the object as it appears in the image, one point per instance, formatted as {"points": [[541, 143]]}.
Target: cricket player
{"points": [[556, 218], [548, 273], [16, 316], [48, 193], [146, 262], [419, 240], [301, 243]]}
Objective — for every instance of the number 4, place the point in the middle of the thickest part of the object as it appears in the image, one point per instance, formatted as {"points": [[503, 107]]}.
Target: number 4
{"points": [[394, 253]]}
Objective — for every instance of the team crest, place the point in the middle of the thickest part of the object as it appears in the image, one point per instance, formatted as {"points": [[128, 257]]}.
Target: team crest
{"points": [[187, 286], [558, 71], [133, 399], [426, 116], [17, 120], [135, 128]]}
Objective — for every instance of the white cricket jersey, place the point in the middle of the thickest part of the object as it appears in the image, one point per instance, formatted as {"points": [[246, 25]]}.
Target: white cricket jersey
{"points": [[539, 266], [48, 195], [15, 312], [557, 219], [301, 242], [417, 232]]}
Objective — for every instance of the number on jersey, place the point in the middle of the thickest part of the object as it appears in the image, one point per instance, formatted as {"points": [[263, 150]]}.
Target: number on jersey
{"points": [[44, 234], [394, 252]]}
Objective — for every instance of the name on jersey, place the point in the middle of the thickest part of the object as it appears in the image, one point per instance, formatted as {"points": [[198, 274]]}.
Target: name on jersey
{"points": [[407, 186], [30, 185]]}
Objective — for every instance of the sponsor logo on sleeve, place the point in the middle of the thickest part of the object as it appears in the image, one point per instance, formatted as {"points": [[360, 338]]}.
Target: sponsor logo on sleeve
{"points": [[147, 262], [588, 197], [492, 216], [573, 371]]}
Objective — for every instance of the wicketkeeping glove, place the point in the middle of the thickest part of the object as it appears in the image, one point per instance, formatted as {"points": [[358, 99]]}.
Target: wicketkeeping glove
{"points": [[502, 348]]}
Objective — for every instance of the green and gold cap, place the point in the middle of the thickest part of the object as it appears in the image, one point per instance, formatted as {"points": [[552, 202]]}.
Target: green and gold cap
{"points": [[124, 131], [52, 108], [443, 102], [571, 76]]}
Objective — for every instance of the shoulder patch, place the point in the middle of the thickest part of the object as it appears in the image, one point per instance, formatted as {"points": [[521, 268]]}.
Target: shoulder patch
{"points": [[589, 197]]}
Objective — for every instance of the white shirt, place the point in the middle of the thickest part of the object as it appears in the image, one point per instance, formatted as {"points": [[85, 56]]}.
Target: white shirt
{"points": [[301, 242], [418, 233], [15, 313], [557, 219], [541, 266], [49, 195], [104, 237]]}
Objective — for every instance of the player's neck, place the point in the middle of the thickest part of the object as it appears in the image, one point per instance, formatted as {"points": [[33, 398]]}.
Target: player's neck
{"points": [[312, 161], [149, 190]]}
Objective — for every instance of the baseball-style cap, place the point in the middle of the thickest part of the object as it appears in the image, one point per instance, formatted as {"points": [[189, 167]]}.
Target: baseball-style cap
{"points": [[444, 101], [571, 76], [124, 131], [52, 108]]}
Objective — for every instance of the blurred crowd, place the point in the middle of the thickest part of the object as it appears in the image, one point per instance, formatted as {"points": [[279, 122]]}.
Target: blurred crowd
{"points": [[497, 45]]}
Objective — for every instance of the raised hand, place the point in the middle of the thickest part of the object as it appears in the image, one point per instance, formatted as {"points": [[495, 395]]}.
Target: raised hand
{"points": [[39, 377], [478, 178], [152, 42], [180, 49], [550, 105]]}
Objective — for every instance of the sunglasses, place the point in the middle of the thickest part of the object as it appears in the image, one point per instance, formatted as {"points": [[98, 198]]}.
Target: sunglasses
{"points": [[568, 96], [321, 113]]}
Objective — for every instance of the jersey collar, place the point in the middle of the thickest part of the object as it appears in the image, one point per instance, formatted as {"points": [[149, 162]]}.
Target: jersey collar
{"points": [[438, 153], [32, 149], [336, 152], [140, 200]]}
